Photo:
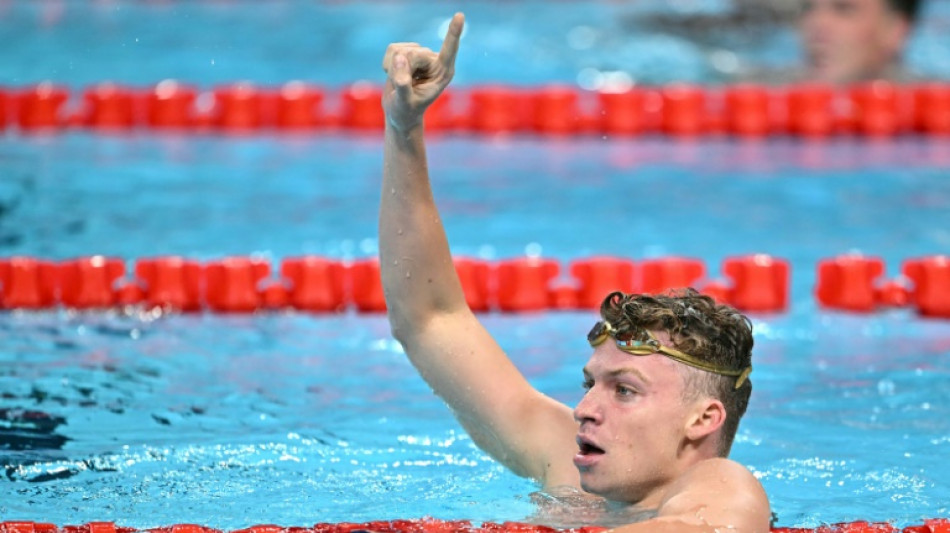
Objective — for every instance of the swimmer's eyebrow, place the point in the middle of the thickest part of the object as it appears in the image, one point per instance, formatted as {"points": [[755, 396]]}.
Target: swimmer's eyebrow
{"points": [[619, 372]]}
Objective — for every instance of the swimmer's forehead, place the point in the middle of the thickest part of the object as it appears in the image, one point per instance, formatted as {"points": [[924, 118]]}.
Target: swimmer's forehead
{"points": [[613, 373]]}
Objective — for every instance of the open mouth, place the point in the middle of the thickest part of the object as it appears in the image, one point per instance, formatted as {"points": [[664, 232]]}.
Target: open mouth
{"points": [[589, 449]]}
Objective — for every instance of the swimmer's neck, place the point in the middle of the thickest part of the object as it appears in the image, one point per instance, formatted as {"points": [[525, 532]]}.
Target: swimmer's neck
{"points": [[571, 507], [636, 507], [633, 512], [612, 506]]}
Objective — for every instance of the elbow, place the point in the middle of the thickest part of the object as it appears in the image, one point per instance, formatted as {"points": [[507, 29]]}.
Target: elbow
{"points": [[409, 326], [399, 328], [404, 326]]}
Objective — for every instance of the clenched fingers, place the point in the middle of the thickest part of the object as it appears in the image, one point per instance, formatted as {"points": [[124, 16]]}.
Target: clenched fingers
{"points": [[392, 49]]}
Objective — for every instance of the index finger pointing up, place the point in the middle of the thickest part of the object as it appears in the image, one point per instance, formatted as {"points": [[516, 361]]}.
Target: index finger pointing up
{"points": [[450, 46]]}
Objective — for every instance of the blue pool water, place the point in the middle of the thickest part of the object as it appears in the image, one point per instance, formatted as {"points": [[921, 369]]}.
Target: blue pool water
{"points": [[294, 419], [78, 42], [229, 421]]}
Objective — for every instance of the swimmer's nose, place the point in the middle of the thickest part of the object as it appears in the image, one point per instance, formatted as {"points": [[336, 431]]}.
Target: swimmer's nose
{"points": [[587, 410]]}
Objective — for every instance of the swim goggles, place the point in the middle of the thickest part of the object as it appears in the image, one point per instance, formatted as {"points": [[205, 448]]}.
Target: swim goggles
{"points": [[648, 344]]}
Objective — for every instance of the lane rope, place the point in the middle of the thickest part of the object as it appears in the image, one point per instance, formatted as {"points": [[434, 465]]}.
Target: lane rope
{"points": [[429, 525], [873, 109], [752, 283]]}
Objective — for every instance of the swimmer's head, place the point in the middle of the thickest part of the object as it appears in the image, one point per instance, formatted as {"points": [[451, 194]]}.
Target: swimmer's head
{"points": [[849, 41], [713, 343]]}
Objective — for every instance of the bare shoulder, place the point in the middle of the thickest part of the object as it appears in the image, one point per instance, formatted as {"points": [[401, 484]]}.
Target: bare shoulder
{"points": [[720, 469], [724, 492]]}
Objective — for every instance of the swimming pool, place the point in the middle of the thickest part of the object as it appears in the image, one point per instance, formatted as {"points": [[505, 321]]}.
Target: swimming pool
{"points": [[293, 418]]}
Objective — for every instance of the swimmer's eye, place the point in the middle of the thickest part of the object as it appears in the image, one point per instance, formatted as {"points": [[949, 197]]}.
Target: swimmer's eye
{"points": [[625, 391], [587, 385]]}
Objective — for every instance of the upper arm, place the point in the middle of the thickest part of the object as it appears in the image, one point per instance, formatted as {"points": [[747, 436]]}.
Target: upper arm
{"points": [[718, 493], [509, 419]]}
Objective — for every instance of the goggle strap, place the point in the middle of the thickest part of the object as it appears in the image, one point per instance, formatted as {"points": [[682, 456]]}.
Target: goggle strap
{"points": [[646, 348], [740, 375], [743, 377]]}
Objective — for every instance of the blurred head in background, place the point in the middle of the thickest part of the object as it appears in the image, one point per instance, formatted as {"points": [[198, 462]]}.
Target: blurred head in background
{"points": [[848, 41]]}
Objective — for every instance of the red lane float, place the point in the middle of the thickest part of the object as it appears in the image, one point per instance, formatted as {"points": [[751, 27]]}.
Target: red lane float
{"points": [[669, 273], [759, 282], [564, 297], [623, 113], [597, 277], [848, 282], [366, 285], [184, 528], [41, 107], [719, 291], [810, 111], [316, 283], [555, 110], [937, 525], [100, 527], [275, 296], [171, 283], [170, 105], [233, 284], [932, 108], [893, 293], [28, 283], [877, 109], [439, 117], [684, 110], [362, 107], [299, 106], [27, 527], [130, 293], [238, 108], [475, 277], [931, 277], [496, 109], [748, 111], [109, 107], [4, 105], [523, 284], [89, 282], [431, 525]]}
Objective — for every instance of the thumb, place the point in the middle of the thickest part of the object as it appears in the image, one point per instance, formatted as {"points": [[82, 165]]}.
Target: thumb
{"points": [[401, 76]]}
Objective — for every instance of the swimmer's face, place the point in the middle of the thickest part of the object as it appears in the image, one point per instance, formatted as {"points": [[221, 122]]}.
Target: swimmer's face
{"points": [[848, 41], [632, 424]]}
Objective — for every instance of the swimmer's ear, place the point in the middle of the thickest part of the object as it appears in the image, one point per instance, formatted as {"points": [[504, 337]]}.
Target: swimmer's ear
{"points": [[707, 417]]}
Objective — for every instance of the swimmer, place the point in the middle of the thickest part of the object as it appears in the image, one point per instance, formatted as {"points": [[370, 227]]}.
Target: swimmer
{"points": [[666, 384], [848, 41], [842, 41]]}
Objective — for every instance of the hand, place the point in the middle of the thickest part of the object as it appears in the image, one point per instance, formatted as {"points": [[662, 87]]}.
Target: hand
{"points": [[417, 75]]}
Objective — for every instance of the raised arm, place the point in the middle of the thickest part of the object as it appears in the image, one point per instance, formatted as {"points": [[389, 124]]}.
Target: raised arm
{"points": [[525, 430]]}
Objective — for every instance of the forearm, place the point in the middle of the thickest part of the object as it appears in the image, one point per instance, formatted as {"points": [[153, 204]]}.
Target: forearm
{"points": [[418, 274]]}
